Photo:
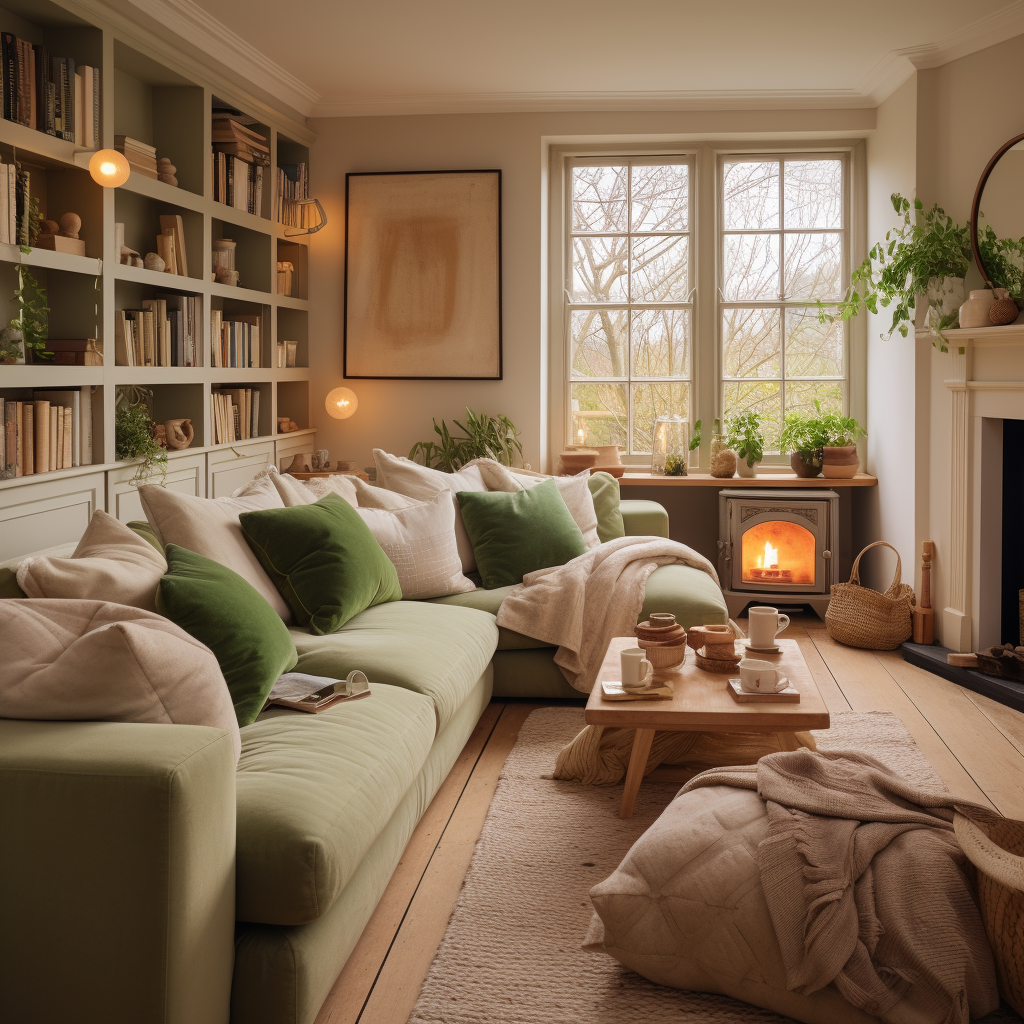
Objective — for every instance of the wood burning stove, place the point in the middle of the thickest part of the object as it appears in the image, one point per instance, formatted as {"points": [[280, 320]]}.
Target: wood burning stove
{"points": [[777, 547]]}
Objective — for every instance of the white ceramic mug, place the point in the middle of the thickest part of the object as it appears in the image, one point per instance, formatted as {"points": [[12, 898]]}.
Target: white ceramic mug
{"points": [[761, 677], [637, 671], [764, 625]]}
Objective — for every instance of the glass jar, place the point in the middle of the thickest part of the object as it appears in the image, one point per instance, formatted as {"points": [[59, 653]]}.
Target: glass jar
{"points": [[671, 450]]}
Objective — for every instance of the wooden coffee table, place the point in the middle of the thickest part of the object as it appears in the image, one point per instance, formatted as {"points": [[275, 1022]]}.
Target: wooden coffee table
{"points": [[703, 704]]}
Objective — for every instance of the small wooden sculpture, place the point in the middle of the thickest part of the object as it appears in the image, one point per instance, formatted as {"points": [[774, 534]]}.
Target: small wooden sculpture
{"points": [[62, 237], [715, 646], [285, 425], [179, 433], [922, 615], [166, 171]]}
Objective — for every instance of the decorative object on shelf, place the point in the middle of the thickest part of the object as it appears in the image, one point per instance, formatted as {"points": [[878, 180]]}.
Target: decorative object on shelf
{"points": [[715, 646], [921, 614], [179, 433], [320, 459], [166, 171], [483, 437], [299, 464], [154, 262], [285, 278], [341, 403], [723, 464], [224, 261], [974, 312], [130, 258], [109, 168], [839, 454], [159, 433], [33, 314], [62, 237], [286, 425], [423, 276], [608, 460], [12, 347], [133, 437], [926, 256], [575, 460], [805, 436], [310, 214], [1003, 311], [745, 438], [670, 454]]}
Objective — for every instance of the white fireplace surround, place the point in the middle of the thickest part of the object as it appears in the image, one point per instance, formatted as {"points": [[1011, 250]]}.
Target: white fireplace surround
{"points": [[986, 386]]}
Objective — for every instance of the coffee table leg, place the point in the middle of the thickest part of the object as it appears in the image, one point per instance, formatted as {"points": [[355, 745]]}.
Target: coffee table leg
{"points": [[796, 740], [642, 740]]}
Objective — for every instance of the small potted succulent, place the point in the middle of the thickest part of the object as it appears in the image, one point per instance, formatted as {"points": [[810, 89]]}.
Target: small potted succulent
{"points": [[839, 453], [744, 437], [805, 438]]}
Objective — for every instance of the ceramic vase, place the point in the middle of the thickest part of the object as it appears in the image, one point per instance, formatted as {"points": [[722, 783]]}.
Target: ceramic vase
{"points": [[806, 464], [571, 462], [608, 460], [974, 312], [744, 469], [840, 462]]}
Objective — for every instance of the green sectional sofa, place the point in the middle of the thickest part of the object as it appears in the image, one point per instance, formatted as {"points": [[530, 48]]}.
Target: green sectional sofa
{"points": [[133, 854]]}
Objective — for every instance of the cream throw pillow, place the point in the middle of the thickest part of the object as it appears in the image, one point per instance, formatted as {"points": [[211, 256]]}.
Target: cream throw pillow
{"points": [[420, 542], [575, 492], [72, 660], [343, 486], [111, 563], [371, 496], [422, 483], [293, 492], [210, 527]]}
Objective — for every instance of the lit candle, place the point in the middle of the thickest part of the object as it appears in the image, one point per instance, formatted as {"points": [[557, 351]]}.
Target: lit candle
{"points": [[581, 435]]}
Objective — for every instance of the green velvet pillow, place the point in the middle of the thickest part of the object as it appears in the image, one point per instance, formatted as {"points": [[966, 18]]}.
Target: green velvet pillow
{"points": [[220, 609], [516, 532], [323, 559], [604, 489], [147, 533]]}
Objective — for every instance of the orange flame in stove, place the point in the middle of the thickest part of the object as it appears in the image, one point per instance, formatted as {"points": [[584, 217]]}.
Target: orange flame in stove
{"points": [[770, 559]]}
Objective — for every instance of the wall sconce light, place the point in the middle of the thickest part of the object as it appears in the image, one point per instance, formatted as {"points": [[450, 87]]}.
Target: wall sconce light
{"points": [[109, 168], [341, 403], [312, 217]]}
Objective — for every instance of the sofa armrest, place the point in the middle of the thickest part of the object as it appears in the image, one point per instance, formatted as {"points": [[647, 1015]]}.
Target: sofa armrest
{"points": [[643, 518], [117, 872]]}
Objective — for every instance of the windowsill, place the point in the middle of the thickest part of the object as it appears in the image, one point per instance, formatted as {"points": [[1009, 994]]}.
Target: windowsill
{"points": [[767, 479]]}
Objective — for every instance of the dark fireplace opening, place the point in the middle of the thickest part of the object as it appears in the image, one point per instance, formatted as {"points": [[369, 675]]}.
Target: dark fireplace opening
{"points": [[1012, 544]]}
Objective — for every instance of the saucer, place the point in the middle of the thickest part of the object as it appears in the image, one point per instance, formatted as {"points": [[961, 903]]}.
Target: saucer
{"points": [[774, 649]]}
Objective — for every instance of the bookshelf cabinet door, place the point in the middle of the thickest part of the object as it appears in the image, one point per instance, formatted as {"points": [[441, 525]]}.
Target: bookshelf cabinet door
{"points": [[185, 474], [228, 471], [42, 515]]}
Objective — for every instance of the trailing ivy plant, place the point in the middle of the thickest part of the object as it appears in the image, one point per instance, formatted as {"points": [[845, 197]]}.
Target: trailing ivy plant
{"points": [[483, 437], [1003, 260], [133, 433], [744, 437], [927, 245], [33, 314]]}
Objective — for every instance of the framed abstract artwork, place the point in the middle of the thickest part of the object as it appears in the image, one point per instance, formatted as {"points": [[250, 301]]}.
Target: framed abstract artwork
{"points": [[423, 275]]}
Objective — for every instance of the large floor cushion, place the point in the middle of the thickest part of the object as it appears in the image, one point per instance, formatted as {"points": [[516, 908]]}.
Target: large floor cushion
{"points": [[313, 794], [436, 651]]}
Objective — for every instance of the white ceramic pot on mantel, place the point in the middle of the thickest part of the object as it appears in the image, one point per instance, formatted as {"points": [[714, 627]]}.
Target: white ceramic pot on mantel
{"points": [[974, 312]]}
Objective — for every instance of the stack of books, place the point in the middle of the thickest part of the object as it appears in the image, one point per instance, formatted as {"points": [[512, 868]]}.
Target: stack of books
{"points": [[292, 184], [49, 431], [163, 333], [48, 93], [235, 414], [234, 339], [15, 209], [239, 156], [141, 158]]}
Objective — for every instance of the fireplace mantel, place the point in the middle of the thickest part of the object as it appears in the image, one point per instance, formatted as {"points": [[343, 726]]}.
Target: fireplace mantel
{"points": [[986, 380]]}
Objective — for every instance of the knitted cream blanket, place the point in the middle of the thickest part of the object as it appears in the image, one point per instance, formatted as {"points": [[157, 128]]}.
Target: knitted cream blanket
{"points": [[867, 886], [578, 607]]}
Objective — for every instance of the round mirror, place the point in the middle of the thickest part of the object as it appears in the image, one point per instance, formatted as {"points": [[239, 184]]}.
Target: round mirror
{"points": [[997, 220]]}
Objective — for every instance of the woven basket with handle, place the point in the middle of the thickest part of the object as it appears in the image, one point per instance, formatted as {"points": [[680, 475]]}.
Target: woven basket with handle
{"points": [[995, 846], [862, 617]]}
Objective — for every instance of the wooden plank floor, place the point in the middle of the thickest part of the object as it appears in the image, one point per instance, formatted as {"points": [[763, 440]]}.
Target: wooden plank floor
{"points": [[975, 744]]}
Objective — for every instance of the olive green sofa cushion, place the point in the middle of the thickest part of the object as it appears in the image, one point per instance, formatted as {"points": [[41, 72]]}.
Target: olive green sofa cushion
{"points": [[604, 489], [435, 651], [490, 601], [643, 518]]}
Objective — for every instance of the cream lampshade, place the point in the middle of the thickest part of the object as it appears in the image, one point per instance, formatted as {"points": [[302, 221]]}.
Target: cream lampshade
{"points": [[341, 403], [109, 168]]}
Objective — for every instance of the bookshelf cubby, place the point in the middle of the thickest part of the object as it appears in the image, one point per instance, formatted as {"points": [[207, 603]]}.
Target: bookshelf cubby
{"points": [[154, 94]]}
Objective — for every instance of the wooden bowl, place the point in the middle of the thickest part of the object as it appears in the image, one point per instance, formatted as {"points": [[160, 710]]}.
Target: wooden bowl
{"points": [[663, 656]]}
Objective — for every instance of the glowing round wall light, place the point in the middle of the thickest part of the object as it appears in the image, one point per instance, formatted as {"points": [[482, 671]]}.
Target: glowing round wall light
{"points": [[109, 168], [341, 403]]}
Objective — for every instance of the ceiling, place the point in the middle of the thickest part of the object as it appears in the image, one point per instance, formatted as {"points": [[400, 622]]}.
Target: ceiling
{"points": [[326, 57]]}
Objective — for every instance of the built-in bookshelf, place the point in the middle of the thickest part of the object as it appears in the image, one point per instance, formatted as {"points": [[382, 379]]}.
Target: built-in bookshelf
{"points": [[165, 106]]}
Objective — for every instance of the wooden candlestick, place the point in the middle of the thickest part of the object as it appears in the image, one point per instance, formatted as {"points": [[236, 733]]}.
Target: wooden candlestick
{"points": [[922, 615]]}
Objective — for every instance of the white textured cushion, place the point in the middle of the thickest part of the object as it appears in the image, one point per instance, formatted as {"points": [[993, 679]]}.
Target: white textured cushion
{"points": [[111, 563], [420, 541], [422, 483], [340, 484], [575, 491], [74, 660], [372, 496], [210, 527], [293, 492]]}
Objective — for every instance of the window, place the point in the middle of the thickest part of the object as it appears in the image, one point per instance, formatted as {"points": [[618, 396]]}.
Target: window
{"points": [[629, 298], [637, 323]]}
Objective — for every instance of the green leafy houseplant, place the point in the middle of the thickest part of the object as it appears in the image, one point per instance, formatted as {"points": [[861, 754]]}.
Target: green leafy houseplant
{"points": [[133, 438], [744, 437], [1003, 259], [33, 314], [805, 436], [483, 437], [840, 431], [925, 247]]}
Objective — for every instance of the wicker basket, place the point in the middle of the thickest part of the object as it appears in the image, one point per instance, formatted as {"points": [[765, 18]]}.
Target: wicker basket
{"points": [[862, 617], [995, 847]]}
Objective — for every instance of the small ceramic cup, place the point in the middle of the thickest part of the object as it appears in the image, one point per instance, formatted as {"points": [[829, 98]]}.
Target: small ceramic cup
{"points": [[637, 671], [760, 677]]}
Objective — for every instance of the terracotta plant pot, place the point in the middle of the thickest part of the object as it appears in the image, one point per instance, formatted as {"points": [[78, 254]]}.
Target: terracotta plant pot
{"points": [[608, 460], [573, 461], [839, 463], [806, 464]]}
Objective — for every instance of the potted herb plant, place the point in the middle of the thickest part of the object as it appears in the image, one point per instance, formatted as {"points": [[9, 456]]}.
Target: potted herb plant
{"points": [[133, 433], [744, 437], [920, 266], [805, 438], [483, 437], [26, 334], [839, 453]]}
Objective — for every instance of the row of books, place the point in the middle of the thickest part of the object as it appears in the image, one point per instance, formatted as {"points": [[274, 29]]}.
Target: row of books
{"points": [[234, 339], [292, 184], [164, 332], [235, 414], [238, 184], [141, 157], [50, 94], [15, 209], [51, 431]]}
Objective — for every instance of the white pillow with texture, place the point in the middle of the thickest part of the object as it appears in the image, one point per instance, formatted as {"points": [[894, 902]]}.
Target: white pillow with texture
{"points": [[75, 660], [372, 496], [575, 492], [343, 486], [422, 483], [210, 527], [293, 492], [111, 563], [420, 542]]}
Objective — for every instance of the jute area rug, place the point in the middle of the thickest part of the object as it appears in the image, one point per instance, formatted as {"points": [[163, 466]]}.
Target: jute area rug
{"points": [[511, 954]]}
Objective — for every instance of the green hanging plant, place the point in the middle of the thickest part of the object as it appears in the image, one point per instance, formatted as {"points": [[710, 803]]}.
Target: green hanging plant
{"points": [[133, 433]]}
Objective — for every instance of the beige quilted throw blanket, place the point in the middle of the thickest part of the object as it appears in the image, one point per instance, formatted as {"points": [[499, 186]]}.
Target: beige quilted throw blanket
{"points": [[867, 885], [578, 607]]}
